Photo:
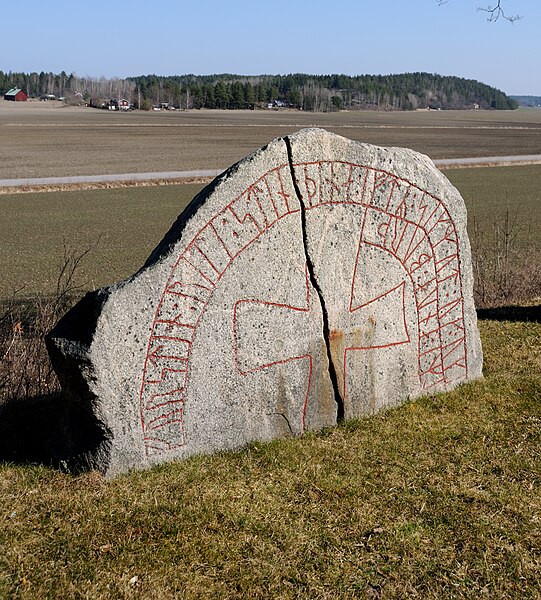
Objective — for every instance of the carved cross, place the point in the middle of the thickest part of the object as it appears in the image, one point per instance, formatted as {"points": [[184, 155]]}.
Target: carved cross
{"points": [[378, 323]]}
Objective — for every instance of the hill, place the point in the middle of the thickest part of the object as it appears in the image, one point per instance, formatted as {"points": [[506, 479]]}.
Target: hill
{"points": [[407, 91]]}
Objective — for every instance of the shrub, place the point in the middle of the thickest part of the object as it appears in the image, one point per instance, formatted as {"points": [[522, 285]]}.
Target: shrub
{"points": [[25, 369], [506, 266]]}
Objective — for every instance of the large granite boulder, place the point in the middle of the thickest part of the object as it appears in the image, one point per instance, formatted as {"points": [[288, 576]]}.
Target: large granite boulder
{"points": [[318, 279]]}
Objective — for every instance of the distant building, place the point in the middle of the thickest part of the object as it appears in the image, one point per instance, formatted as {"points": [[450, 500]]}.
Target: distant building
{"points": [[121, 104], [16, 95], [278, 104]]}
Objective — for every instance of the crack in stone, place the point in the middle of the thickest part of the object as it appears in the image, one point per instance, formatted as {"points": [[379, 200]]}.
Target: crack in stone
{"points": [[287, 422], [311, 274]]}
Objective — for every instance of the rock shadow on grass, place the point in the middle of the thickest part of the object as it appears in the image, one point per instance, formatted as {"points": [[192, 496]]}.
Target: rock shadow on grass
{"points": [[46, 430], [511, 313]]}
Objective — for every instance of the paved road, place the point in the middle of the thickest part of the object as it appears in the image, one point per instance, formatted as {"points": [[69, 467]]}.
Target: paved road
{"points": [[107, 178], [441, 163], [488, 160]]}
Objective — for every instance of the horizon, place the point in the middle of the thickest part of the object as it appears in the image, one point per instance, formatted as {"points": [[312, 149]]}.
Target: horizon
{"points": [[451, 39]]}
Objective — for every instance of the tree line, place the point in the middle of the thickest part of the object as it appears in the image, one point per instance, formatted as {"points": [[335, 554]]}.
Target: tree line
{"points": [[37, 85], [321, 93]]}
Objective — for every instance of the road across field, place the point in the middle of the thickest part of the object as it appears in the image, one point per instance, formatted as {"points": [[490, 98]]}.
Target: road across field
{"points": [[441, 163], [525, 159], [89, 179]]}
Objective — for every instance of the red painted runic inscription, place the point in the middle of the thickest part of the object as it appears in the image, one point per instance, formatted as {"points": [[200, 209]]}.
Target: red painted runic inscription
{"points": [[399, 218]]}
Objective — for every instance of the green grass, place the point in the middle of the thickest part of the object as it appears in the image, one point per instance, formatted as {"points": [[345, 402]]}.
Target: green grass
{"points": [[122, 226], [126, 224], [490, 191], [439, 498]]}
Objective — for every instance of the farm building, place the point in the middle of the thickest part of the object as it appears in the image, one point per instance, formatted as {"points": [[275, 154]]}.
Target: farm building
{"points": [[16, 95]]}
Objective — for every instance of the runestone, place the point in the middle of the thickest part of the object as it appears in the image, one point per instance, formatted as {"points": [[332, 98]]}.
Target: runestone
{"points": [[319, 279]]}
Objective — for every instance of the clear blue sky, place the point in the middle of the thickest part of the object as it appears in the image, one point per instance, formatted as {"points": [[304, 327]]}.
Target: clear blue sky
{"points": [[119, 38]]}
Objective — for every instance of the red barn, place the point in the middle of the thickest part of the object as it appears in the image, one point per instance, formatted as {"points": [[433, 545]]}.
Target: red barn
{"points": [[16, 95]]}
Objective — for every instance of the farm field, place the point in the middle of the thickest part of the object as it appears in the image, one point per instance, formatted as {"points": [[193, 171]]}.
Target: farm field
{"points": [[123, 225], [45, 140]]}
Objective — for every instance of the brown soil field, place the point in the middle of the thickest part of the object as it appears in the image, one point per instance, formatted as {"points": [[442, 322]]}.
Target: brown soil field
{"points": [[48, 139]]}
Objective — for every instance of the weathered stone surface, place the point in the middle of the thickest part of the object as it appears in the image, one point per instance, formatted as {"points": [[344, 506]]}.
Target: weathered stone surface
{"points": [[317, 279]]}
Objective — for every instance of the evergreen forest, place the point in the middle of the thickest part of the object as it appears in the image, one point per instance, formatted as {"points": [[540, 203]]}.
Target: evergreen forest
{"points": [[322, 93]]}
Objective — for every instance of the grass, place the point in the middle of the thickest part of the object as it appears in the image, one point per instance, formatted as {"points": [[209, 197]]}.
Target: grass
{"points": [[504, 223], [124, 225], [491, 191], [439, 498], [121, 226]]}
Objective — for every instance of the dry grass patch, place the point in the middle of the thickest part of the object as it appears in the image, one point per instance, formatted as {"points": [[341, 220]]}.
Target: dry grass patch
{"points": [[504, 225], [438, 498]]}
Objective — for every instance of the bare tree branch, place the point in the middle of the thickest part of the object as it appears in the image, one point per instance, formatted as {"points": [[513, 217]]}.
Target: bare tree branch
{"points": [[495, 12]]}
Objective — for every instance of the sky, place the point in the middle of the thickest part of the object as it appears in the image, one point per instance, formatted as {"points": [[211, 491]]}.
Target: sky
{"points": [[123, 38]]}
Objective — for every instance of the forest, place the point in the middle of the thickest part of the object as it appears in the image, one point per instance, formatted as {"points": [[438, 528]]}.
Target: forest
{"points": [[320, 93], [530, 101]]}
